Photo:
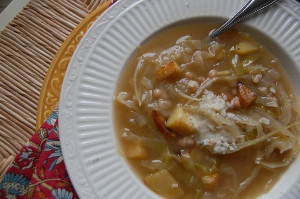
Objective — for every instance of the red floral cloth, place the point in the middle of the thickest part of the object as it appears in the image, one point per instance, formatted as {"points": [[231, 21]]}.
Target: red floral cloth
{"points": [[38, 171]]}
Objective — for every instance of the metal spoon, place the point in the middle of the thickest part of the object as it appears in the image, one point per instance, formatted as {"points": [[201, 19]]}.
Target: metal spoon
{"points": [[251, 7]]}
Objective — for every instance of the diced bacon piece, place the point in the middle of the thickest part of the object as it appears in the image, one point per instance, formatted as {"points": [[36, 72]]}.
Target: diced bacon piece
{"points": [[160, 122], [167, 70], [246, 95]]}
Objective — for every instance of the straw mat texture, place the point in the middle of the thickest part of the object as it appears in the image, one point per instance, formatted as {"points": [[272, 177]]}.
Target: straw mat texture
{"points": [[28, 45]]}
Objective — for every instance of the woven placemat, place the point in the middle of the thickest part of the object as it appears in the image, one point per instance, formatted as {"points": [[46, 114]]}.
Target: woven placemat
{"points": [[28, 46], [50, 92]]}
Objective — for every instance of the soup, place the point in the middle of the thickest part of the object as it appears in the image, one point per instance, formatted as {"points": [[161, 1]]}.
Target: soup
{"points": [[206, 119]]}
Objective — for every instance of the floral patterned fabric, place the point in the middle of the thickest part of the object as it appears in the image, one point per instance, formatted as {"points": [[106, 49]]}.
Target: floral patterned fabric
{"points": [[38, 171]]}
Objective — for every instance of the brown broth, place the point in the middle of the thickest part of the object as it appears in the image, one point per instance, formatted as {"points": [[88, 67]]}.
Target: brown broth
{"points": [[241, 161]]}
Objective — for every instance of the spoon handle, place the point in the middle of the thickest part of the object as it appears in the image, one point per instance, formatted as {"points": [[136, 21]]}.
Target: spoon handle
{"points": [[251, 7]]}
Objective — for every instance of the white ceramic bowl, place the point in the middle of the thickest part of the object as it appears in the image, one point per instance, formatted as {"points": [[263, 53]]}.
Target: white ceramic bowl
{"points": [[85, 110]]}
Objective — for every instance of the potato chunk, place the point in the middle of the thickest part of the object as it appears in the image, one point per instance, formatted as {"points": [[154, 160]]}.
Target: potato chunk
{"points": [[167, 70], [164, 184], [179, 122], [135, 150], [246, 47]]}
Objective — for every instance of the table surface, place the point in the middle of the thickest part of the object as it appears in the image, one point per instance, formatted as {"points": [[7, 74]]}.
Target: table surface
{"points": [[3, 4], [9, 9]]}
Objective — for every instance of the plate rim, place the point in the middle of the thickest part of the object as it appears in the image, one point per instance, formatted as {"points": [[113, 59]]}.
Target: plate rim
{"points": [[79, 58]]}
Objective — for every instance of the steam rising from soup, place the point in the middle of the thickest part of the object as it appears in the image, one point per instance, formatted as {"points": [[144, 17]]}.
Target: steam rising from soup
{"points": [[209, 120]]}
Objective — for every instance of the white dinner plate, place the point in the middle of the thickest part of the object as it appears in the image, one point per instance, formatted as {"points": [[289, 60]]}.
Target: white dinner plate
{"points": [[86, 127]]}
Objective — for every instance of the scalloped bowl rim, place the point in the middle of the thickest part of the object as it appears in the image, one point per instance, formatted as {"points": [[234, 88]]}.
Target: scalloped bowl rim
{"points": [[86, 124]]}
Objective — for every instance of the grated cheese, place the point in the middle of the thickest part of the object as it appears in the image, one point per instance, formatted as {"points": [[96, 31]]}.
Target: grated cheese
{"points": [[217, 143], [213, 102]]}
